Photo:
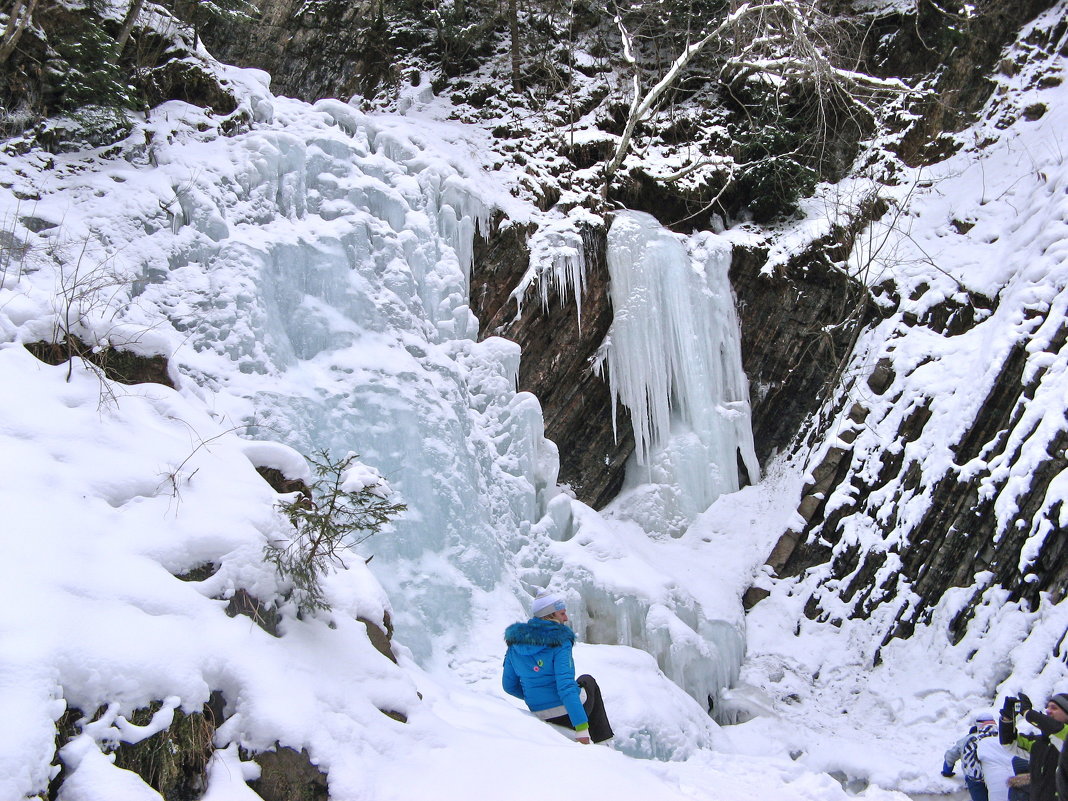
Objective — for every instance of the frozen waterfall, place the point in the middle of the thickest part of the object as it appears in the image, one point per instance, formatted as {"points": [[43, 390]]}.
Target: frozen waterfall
{"points": [[308, 279], [673, 357]]}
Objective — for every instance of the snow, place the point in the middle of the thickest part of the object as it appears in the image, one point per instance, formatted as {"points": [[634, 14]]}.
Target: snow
{"points": [[307, 277]]}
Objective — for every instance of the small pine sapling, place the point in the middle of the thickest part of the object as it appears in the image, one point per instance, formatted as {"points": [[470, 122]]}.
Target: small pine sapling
{"points": [[338, 511]]}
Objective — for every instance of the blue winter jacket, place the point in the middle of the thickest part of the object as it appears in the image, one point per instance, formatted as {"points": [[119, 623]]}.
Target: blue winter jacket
{"points": [[539, 669]]}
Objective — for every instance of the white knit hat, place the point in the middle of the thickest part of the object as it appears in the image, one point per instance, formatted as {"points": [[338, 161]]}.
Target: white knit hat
{"points": [[546, 603]]}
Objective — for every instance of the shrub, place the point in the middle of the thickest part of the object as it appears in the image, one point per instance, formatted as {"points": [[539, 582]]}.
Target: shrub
{"points": [[338, 512], [777, 175]]}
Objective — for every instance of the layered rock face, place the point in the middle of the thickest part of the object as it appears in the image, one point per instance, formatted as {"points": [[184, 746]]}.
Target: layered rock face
{"points": [[955, 54], [988, 514], [797, 325], [918, 482], [557, 361]]}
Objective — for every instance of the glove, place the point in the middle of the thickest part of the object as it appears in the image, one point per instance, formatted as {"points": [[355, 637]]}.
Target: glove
{"points": [[1008, 709], [1007, 729], [1025, 703]]}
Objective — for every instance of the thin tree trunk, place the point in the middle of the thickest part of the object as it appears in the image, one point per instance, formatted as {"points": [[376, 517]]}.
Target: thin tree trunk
{"points": [[128, 25], [18, 22], [513, 23]]}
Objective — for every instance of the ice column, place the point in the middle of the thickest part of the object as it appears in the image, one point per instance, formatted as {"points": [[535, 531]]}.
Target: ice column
{"points": [[673, 356]]}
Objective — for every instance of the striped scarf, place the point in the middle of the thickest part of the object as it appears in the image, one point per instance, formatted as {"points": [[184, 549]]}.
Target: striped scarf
{"points": [[969, 759]]}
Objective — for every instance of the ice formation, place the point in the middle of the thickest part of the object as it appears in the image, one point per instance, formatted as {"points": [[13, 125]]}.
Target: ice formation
{"points": [[308, 280], [311, 274], [557, 259], [360, 338], [673, 358]]}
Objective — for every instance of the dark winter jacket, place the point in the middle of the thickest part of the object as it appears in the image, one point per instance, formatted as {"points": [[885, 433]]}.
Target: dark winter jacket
{"points": [[1044, 749], [539, 669], [1062, 774]]}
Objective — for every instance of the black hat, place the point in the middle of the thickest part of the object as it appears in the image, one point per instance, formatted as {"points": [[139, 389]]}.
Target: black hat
{"points": [[1061, 700]]}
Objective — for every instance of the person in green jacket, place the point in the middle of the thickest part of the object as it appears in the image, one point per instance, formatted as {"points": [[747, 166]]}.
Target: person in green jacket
{"points": [[1044, 747]]}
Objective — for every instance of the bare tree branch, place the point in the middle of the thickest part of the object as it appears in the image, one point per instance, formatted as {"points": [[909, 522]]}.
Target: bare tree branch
{"points": [[777, 39], [639, 108]]}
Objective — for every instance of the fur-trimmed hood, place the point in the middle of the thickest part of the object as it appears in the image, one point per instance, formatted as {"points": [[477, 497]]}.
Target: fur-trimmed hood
{"points": [[539, 632]]}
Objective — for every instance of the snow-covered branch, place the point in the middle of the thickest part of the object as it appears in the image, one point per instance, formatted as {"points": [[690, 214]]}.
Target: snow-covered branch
{"points": [[780, 40], [640, 108], [19, 19]]}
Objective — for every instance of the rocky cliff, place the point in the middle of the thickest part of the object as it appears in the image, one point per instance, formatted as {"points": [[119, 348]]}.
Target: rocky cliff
{"points": [[984, 512], [311, 50], [557, 360]]}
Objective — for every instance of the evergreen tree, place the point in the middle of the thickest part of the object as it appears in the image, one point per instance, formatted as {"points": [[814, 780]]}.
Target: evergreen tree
{"points": [[91, 74], [328, 520]]}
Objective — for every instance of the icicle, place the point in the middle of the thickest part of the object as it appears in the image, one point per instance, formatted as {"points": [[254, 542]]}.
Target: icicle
{"points": [[557, 261]]}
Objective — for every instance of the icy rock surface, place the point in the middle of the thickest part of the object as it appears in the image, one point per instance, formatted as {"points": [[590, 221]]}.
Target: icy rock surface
{"points": [[309, 279], [353, 334]]}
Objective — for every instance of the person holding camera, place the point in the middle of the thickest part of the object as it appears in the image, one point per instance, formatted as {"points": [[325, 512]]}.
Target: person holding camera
{"points": [[1045, 747]]}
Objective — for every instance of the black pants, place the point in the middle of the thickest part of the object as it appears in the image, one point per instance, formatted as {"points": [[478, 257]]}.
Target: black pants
{"points": [[600, 728]]}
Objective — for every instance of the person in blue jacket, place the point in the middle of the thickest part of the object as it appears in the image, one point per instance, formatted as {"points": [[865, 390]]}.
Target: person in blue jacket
{"points": [[539, 669]]}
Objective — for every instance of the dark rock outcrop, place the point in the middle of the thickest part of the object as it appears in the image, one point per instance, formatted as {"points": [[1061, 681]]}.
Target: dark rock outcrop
{"points": [[325, 49], [797, 327], [557, 361], [281, 483], [950, 56], [123, 366], [289, 775], [188, 80], [381, 637], [242, 602]]}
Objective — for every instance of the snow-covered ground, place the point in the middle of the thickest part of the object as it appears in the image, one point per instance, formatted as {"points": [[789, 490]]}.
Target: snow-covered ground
{"points": [[307, 280]]}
